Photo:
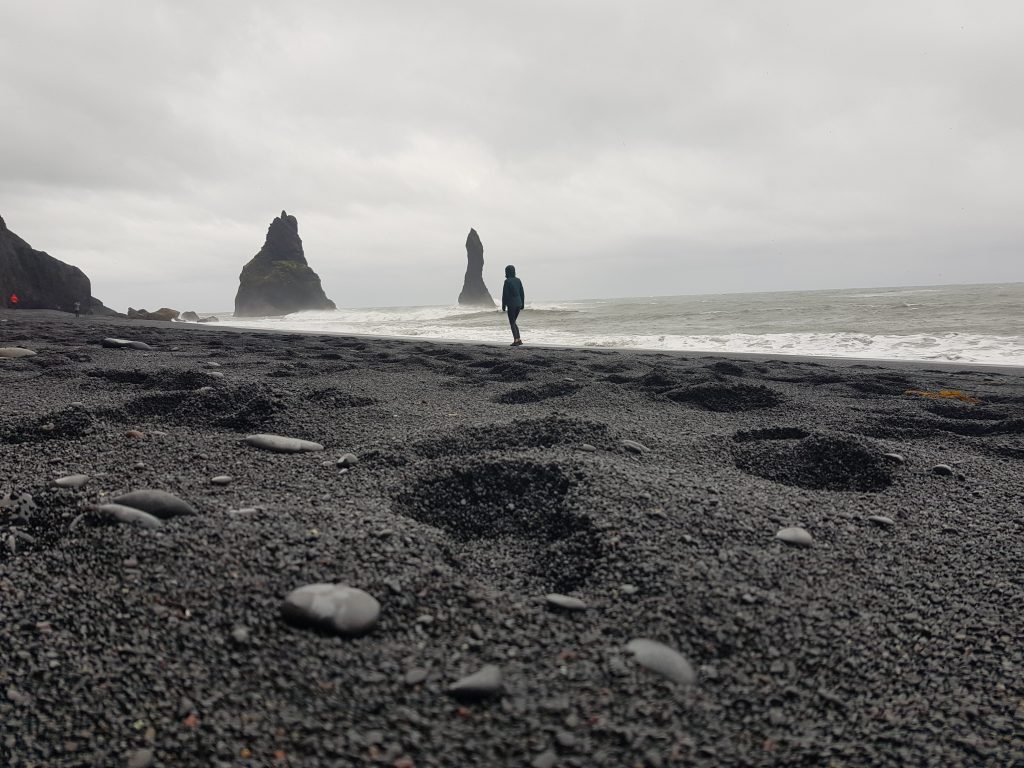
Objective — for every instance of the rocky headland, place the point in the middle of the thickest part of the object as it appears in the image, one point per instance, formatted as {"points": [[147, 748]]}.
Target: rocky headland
{"points": [[41, 281], [278, 280]]}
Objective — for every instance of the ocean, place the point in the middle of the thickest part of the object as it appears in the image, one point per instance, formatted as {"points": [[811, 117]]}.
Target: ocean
{"points": [[951, 323]]}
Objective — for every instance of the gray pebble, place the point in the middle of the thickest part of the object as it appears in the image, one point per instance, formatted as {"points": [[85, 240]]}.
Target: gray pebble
{"points": [[795, 536], [895, 458], [942, 469], [335, 608], [123, 514], [125, 344], [565, 602], [480, 685], [221, 479], [416, 675], [158, 503], [15, 352], [282, 444], [665, 661], [348, 460], [141, 758], [71, 481], [565, 739], [882, 520], [586, 447], [240, 634], [634, 447]]}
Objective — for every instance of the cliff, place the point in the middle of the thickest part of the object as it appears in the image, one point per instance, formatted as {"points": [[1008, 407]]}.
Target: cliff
{"points": [[39, 280]]}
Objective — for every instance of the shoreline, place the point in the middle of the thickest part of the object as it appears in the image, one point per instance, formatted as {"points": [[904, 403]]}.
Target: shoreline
{"points": [[652, 486], [751, 356]]}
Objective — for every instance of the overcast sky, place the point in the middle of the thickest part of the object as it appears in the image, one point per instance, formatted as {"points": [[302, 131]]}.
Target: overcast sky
{"points": [[606, 148]]}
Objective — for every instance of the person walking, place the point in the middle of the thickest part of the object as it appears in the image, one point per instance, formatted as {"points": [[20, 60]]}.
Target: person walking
{"points": [[78, 308], [13, 301], [513, 299]]}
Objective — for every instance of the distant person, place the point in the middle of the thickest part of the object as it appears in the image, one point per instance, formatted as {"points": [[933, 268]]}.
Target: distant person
{"points": [[513, 299], [13, 301], [78, 308]]}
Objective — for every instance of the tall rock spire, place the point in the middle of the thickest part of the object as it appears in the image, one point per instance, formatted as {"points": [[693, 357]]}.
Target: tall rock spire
{"points": [[278, 281], [474, 292]]}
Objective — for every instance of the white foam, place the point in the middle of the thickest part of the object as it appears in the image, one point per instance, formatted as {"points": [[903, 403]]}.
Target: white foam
{"points": [[604, 324]]}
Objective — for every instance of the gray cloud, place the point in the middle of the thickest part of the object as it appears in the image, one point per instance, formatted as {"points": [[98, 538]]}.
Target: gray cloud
{"points": [[606, 148]]}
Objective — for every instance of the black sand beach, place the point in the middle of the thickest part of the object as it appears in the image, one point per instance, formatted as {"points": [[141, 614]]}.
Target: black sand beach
{"points": [[488, 477]]}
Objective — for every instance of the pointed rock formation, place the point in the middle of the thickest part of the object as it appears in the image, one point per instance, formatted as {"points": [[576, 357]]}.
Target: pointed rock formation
{"points": [[474, 292], [40, 281], [278, 281]]}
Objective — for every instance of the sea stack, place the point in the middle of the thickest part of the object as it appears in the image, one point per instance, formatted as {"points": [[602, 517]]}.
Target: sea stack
{"points": [[474, 292], [39, 280], [278, 281]]}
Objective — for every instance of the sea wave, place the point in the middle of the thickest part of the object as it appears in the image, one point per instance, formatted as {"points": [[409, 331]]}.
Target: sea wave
{"points": [[457, 324]]}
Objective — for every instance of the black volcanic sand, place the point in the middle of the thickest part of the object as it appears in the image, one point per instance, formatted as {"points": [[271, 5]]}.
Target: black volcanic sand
{"points": [[472, 499]]}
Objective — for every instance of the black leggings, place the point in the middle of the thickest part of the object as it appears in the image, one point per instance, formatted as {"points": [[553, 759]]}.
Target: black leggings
{"points": [[513, 314]]}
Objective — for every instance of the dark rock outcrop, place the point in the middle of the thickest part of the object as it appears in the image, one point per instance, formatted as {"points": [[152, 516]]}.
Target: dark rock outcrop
{"points": [[193, 317], [278, 281], [161, 314], [39, 280], [474, 292]]}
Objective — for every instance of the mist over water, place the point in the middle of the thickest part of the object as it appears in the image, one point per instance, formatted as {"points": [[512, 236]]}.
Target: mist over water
{"points": [[959, 323]]}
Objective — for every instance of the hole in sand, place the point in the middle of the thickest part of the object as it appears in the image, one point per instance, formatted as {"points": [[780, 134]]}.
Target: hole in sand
{"points": [[510, 521], [539, 392], [818, 462], [727, 397], [241, 407]]}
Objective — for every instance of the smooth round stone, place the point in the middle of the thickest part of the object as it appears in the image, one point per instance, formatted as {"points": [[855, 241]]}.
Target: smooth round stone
{"points": [[123, 514], [334, 608], [795, 536], [240, 634], [348, 460], [215, 374], [71, 481], [416, 675], [221, 479], [882, 521], [942, 469], [211, 364], [157, 503], [665, 661], [565, 602], [895, 458], [586, 447], [634, 447], [125, 344], [141, 758], [282, 444], [480, 685], [15, 352]]}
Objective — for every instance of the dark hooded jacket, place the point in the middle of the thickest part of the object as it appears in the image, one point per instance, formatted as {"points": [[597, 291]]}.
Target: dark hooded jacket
{"points": [[512, 294]]}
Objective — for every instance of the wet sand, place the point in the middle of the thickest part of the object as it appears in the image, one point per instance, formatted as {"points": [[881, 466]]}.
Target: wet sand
{"points": [[488, 477]]}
